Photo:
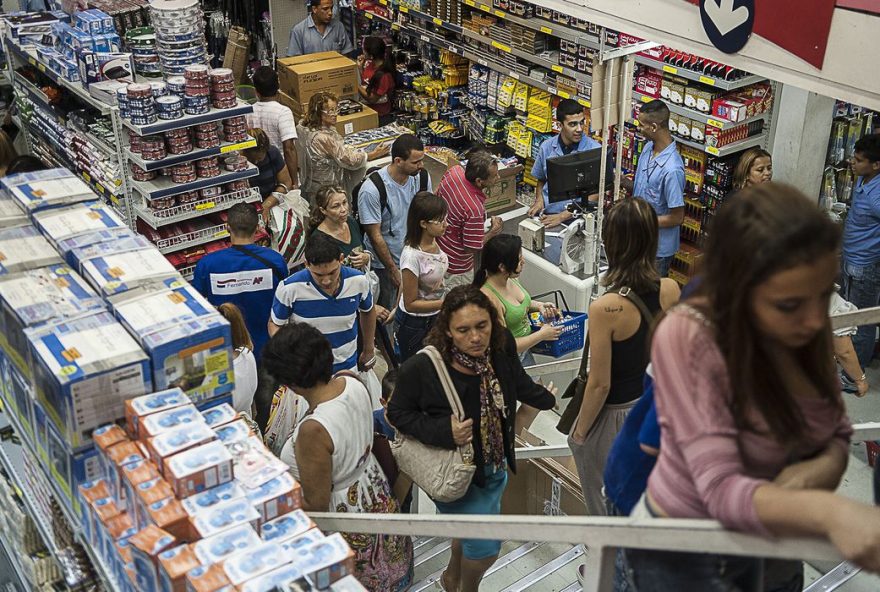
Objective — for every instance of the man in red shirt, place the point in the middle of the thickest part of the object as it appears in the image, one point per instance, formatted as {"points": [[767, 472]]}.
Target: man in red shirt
{"points": [[463, 189]]}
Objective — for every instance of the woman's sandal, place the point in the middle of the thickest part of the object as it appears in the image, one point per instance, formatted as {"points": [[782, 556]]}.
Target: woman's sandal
{"points": [[441, 585]]}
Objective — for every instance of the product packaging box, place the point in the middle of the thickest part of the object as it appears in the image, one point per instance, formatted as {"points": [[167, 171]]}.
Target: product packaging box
{"points": [[106, 63], [173, 567], [118, 457], [45, 189], [351, 123], [138, 408], [147, 493], [208, 578], [218, 548], [277, 579], [168, 515], [100, 510], [137, 477], [501, 197], [254, 562], [17, 392], [106, 437], [325, 561], [23, 248], [238, 43], [212, 497], [37, 297], [155, 424], [198, 469], [11, 213], [84, 370], [301, 77], [169, 443], [146, 546], [189, 343], [230, 433], [276, 497], [61, 224], [286, 527], [78, 249], [219, 415], [116, 529], [224, 516], [88, 493], [117, 273], [729, 109]]}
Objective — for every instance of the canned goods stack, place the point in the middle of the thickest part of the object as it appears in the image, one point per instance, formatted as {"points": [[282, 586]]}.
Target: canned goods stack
{"points": [[237, 186], [178, 141], [180, 34], [211, 192], [122, 101], [188, 197], [159, 88], [184, 173], [176, 85], [197, 97], [152, 148], [235, 129], [170, 107], [161, 206], [208, 167], [236, 163], [141, 104], [222, 88], [141, 42], [208, 135], [139, 174]]}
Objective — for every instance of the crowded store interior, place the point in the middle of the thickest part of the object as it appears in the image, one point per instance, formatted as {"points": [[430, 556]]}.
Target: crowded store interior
{"points": [[464, 295]]}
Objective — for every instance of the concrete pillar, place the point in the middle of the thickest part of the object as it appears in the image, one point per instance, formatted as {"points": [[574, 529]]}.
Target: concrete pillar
{"points": [[800, 138]]}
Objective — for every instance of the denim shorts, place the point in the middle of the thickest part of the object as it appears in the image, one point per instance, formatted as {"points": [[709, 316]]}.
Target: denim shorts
{"points": [[479, 500]]}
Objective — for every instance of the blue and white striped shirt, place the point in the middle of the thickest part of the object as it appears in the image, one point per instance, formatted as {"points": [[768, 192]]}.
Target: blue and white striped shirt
{"points": [[299, 300]]}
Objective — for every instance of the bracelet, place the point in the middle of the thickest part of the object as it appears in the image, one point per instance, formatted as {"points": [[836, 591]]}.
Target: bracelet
{"points": [[861, 378], [286, 188]]}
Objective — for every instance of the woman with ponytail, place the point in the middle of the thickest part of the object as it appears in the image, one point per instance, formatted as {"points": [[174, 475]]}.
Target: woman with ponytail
{"points": [[500, 266], [378, 73], [331, 216]]}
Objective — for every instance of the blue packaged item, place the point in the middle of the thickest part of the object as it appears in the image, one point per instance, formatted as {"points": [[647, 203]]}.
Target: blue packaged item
{"points": [[304, 540], [217, 416], [253, 562], [177, 440], [78, 249], [107, 24], [325, 561], [219, 547], [153, 425], [63, 223], [23, 248], [209, 498], [138, 408], [277, 579], [11, 213], [286, 527], [119, 272], [223, 516], [230, 433], [44, 189]]}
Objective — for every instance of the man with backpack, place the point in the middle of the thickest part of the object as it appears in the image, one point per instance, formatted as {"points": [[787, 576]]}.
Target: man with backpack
{"points": [[383, 201]]}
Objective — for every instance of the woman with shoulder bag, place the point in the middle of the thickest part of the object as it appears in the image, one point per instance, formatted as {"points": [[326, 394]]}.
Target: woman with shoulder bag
{"points": [[479, 355], [618, 342]]}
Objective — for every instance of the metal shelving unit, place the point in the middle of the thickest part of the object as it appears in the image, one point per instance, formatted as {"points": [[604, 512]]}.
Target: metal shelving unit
{"points": [[192, 239], [188, 120], [165, 187], [706, 118], [158, 218], [697, 77], [195, 154], [540, 25]]}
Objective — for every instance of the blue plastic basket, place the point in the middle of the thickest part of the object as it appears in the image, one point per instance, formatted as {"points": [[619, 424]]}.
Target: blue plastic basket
{"points": [[571, 339]]}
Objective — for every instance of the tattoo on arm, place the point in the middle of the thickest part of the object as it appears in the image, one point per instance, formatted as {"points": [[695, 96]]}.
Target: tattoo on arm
{"points": [[617, 308]]}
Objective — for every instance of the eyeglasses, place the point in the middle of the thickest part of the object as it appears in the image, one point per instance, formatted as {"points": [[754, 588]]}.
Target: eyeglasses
{"points": [[330, 112], [440, 222]]}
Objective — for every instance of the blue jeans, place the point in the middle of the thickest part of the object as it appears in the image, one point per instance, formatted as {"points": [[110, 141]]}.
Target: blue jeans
{"points": [[411, 332], [861, 286], [621, 574], [387, 291], [667, 571], [663, 264]]}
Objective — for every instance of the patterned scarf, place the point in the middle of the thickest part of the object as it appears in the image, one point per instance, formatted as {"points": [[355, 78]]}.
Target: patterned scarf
{"points": [[491, 405]]}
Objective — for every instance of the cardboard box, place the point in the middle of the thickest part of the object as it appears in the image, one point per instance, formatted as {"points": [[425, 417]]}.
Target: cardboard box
{"points": [[140, 407], [301, 77], [146, 546], [11, 213], [168, 515], [173, 567], [76, 250], [198, 469], [254, 561], [207, 578], [277, 579], [212, 497], [155, 424], [325, 561], [23, 248], [238, 43], [120, 272], [84, 370], [219, 415], [189, 343], [345, 124], [276, 497], [501, 197], [177, 440], [230, 433], [224, 516], [219, 547], [286, 527], [45, 189]]}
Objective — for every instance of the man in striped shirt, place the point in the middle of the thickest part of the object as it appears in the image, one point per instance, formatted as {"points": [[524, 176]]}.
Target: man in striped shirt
{"points": [[332, 298], [463, 189]]}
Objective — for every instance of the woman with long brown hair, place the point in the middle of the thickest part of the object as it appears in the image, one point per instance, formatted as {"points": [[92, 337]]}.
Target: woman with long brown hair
{"points": [[244, 364], [618, 339], [480, 356], [331, 215], [754, 432], [755, 166]]}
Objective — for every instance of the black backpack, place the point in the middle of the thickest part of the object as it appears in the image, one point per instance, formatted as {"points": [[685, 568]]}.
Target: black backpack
{"points": [[374, 176]]}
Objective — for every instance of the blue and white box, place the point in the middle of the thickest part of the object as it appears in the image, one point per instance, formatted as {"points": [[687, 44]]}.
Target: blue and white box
{"points": [[117, 273], [84, 370], [79, 249], [23, 248], [221, 546], [60, 225], [11, 213], [45, 189]]}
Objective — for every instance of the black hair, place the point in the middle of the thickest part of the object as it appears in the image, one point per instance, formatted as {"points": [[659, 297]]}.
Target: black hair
{"points": [[567, 108], [376, 48], [314, 3], [869, 147], [298, 355], [503, 249], [321, 249], [25, 164], [657, 111], [265, 81], [404, 145], [388, 382], [243, 219], [425, 206], [478, 165]]}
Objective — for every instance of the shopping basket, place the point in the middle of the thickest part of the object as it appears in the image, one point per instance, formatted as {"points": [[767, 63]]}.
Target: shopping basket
{"points": [[573, 330]]}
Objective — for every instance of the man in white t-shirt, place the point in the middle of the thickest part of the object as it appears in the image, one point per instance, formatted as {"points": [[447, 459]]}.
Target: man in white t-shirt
{"points": [[275, 119]]}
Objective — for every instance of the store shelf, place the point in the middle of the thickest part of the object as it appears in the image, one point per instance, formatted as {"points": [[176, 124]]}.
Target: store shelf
{"points": [[164, 125], [540, 25], [158, 218], [182, 242], [164, 187], [725, 150], [373, 15], [152, 165], [697, 77], [706, 118], [12, 558], [187, 272], [29, 56]]}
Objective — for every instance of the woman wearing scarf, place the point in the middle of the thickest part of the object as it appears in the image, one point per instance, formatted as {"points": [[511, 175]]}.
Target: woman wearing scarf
{"points": [[480, 355]]}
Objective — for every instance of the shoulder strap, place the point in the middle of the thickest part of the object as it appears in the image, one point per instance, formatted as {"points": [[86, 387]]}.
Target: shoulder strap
{"points": [[445, 380], [278, 275], [630, 295], [423, 180], [585, 357], [376, 178]]}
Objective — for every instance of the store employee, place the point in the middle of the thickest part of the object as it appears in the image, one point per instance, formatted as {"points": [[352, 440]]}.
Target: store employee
{"points": [[571, 139], [319, 32], [659, 180]]}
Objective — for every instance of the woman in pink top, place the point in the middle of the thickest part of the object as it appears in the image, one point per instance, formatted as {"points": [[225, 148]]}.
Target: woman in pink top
{"points": [[754, 432]]}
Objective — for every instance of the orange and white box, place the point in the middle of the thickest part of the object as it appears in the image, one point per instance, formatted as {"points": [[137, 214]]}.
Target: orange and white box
{"points": [[174, 564], [199, 468]]}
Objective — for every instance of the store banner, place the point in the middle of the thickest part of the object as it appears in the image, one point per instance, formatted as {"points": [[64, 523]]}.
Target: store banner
{"points": [[798, 26]]}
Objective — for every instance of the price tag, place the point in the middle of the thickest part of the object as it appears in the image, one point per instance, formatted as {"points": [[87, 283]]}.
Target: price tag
{"points": [[713, 150], [647, 99], [485, 8], [100, 188], [383, 2], [585, 103], [547, 30], [707, 80], [240, 146], [221, 234], [205, 206], [41, 67], [556, 68], [513, 75], [500, 14], [670, 69], [87, 177], [369, 15], [715, 123], [437, 21], [563, 94], [483, 62], [32, 61], [425, 38], [470, 2], [454, 50], [404, 9], [501, 46], [395, 27], [551, 90]]}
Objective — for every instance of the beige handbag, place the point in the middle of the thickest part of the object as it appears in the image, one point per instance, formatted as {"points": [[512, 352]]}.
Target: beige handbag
{"points": [[444, 475]]}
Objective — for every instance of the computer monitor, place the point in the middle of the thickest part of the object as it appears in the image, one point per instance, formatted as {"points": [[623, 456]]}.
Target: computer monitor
{"points": [[576, 175]]}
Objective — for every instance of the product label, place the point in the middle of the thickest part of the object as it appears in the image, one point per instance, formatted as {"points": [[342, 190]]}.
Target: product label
{"points": [[501, 46], [547, 30], [101, 399], [713, 150], [437, 21], [556, 68], [205, 205], [241, 282], [670, 69], [715, 123], [240, 146], [707, 80]]}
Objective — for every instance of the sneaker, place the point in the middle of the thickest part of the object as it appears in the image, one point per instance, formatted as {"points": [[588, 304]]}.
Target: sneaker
{"points": [[847, 384]]}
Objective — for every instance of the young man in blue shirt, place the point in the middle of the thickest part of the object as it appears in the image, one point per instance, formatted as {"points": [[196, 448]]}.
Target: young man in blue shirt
{"points": [[245, 274], [332, 298], [861, 243], [319, 32], [659, 180], [385, 221], [572, 138]]}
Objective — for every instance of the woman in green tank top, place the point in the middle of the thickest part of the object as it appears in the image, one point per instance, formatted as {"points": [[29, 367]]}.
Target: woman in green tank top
{"points": [[500, 265]]}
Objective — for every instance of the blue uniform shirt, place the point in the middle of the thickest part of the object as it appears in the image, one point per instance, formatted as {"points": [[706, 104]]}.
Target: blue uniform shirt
{"points": [[660, 181], [861, 235], [305, 38], [232, 276], [552, 148]]}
